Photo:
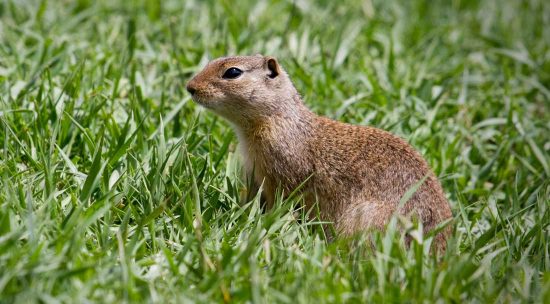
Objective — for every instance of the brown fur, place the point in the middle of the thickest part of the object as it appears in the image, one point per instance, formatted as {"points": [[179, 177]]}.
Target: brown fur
{"points": [[357, 175]]}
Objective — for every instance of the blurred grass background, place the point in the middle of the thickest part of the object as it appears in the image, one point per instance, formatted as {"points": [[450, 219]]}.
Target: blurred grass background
{"points": [[116, 187]]}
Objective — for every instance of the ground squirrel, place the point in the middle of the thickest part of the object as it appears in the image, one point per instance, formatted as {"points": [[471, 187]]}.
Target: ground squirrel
{"points": [[357, 175]]}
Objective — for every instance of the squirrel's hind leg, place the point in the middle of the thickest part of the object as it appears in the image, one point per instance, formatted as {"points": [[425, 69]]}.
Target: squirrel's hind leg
{"points": [[364, 217]]}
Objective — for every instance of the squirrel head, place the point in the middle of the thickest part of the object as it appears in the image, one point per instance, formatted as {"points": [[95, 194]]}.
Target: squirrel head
{"points": [[243, 89]]}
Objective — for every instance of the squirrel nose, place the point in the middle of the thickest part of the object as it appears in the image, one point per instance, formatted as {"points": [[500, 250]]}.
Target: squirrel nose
{"points": [[191, 89]]}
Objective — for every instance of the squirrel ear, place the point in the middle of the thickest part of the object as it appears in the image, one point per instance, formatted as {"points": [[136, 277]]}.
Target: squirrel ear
{"points": [[272, 66]]}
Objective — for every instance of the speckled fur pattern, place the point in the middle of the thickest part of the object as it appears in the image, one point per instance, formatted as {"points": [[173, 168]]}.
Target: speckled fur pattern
{"points": [[357, 175]]}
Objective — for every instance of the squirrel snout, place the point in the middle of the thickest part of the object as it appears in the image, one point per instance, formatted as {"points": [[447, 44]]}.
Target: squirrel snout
{"points": [[190, 89]]}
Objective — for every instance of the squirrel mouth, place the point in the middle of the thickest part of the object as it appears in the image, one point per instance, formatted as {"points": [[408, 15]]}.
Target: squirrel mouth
{"points": [[201, 101]]}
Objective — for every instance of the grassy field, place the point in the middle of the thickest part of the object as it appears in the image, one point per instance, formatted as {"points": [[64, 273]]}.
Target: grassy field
{"points": [[116, 187]]}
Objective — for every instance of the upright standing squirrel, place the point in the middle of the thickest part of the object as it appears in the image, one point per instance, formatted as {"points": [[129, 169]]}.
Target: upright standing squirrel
{"points": [[357, 175]]}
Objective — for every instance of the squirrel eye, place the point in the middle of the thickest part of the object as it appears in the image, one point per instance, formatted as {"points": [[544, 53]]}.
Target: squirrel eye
{"points": [[232, 73]]}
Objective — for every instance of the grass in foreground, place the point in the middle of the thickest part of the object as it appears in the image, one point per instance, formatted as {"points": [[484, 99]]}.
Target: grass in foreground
{"points": [[116, 186]]}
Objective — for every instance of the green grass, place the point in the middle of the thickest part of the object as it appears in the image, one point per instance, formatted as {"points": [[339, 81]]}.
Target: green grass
{"points": [[117, 187]]}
